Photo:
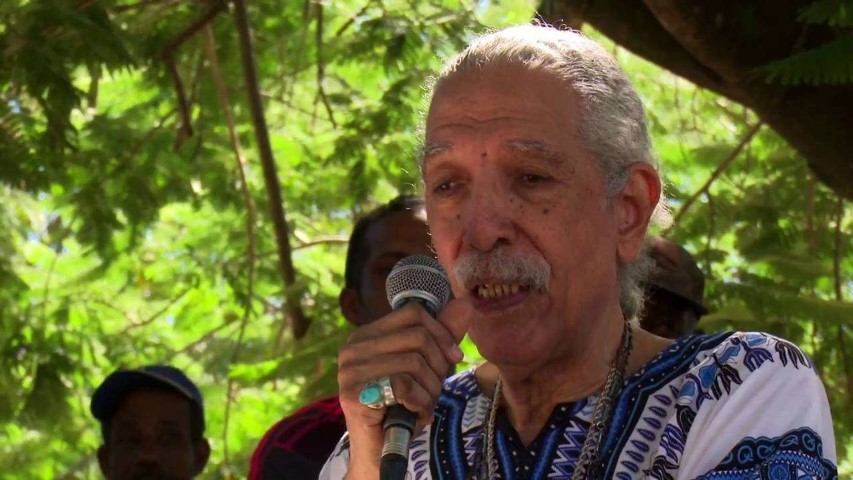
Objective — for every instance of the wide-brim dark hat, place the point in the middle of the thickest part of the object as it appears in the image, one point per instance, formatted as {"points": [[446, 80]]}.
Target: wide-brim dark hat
{"points": [[676, 272], [119, 384]]}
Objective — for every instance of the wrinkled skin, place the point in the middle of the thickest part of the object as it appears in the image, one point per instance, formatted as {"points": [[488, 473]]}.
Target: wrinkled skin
{"points": [[503, 169]]}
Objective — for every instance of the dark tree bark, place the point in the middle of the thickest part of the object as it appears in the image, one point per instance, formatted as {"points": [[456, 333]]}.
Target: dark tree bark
{"points": [[719, 45], [293, 306]]}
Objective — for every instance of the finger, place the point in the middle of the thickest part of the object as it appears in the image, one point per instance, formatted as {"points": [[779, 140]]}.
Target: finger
{"points": [[408, 392], [417, 339], [456, 317], [409, 316], [413, 396], [353, 378]]}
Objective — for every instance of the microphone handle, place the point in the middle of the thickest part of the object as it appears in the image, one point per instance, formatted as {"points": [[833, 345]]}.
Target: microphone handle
{"points": [[399, 425]]}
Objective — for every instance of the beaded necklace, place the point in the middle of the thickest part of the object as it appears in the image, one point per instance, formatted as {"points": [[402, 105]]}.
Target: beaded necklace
{"points": [[588, 465]]}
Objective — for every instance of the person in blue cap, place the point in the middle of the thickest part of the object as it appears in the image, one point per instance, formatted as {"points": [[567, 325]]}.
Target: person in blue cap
{"points": [[152, 424]]}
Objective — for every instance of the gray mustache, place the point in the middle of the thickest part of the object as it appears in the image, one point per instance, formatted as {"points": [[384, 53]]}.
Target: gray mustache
{"points": [[500, 266]]}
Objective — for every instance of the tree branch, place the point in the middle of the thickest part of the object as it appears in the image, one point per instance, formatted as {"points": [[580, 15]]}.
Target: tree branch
{"points": [[160, 312], [282, 99], [293, 305], [351, 20], [140, 4], [716, 32], [635, 28], [836, 260], [207, 336], [321, 67], [251, 221], [716, 46], [839, 296], [169, 55], [717, 172], [711, 232], [322, 241], [811, 230], [92, 93]]}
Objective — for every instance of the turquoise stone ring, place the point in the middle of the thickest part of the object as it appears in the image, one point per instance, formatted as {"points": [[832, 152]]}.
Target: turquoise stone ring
{"points": [[371, 395], [377, 394]]}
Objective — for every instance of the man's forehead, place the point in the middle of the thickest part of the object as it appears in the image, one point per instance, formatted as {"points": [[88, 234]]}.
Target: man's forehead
{"points": [[144, 419], [536, 147], [396, 225], [149, 403]]}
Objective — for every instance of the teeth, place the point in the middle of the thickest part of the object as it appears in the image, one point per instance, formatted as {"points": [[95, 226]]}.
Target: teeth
{"points": [[496, 291]]}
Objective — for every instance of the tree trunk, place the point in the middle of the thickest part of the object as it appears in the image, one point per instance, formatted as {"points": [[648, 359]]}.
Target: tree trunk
{"points": [[720, 45]]}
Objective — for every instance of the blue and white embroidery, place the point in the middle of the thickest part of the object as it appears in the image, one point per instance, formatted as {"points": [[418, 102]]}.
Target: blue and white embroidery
{"points": [[651, 425], [796, 455]]}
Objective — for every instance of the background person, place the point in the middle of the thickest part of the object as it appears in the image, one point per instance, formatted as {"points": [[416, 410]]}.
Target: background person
{"points": [[297, 446], [152, 424], [674, 292]]}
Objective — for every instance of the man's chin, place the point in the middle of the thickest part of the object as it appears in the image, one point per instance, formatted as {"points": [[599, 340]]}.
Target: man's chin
{"points": [[152, 476], [502, 341]]}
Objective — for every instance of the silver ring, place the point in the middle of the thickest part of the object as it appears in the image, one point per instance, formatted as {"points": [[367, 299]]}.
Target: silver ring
{"points": [[377, 394]]}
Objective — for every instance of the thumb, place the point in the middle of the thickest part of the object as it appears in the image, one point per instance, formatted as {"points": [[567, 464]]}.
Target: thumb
{"points": [[456, 317]]}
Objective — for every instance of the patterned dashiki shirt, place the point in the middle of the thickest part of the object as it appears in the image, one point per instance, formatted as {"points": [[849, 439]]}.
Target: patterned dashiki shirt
{"points": [[728, 406]]}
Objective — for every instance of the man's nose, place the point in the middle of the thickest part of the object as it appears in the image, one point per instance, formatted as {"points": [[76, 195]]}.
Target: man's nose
{"points": [[148, 452], [488, 219]]}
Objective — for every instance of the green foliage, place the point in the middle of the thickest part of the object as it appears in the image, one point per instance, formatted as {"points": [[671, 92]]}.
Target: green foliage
{"points": [[123, 242], [828, 64], [836, 13], [774, 244]]}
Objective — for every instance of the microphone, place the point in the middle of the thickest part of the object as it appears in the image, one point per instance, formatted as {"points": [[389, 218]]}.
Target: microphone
{"points": [[419, 279]]}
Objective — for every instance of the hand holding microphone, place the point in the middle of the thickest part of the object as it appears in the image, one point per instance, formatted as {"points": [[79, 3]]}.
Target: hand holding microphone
{"points": [[403, 358]]}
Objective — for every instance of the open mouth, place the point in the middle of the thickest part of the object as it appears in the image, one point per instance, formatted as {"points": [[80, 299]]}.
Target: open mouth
{"points": [[499, 296], [498, 291]]}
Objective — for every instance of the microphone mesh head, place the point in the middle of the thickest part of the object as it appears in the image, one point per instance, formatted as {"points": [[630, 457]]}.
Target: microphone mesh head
{"points": [[418, 276]]}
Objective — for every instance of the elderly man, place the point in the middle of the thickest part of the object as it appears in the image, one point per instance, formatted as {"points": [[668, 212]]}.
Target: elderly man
{"points": [[540, 186]]}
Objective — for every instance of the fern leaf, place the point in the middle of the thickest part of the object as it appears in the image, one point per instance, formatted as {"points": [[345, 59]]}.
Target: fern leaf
{"points": [[836, 13], [829, 64]]}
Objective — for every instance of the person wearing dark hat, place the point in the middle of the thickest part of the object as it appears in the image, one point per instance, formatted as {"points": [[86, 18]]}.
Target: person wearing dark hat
{"points": [[675, 291], [152, 424]]}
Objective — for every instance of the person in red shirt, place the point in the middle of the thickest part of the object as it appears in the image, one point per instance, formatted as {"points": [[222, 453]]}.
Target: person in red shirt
{"points": [[297, 446]]}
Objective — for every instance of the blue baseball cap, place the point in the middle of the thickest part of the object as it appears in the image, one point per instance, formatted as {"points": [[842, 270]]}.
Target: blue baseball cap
{"points": [[119, 384]]}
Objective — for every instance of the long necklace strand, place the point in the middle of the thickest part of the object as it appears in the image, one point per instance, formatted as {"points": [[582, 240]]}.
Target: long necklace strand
{"points": [[588, 461]]}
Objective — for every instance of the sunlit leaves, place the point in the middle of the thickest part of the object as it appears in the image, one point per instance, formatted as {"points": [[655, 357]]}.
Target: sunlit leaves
{"points": [[122, 243]]}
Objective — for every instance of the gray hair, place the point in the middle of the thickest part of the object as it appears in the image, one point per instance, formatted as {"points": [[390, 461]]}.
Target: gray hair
{"points": [[612, 122]]}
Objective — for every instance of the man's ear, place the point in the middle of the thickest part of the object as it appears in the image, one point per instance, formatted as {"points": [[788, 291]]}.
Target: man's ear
{"points": [[202, 455], [634, 207], [350, 304], [103, 460]]}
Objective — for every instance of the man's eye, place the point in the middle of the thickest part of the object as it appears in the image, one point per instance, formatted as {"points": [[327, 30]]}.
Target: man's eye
{"points": [[169, 438], [128, 440], [445, 187], [533, 178]]}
